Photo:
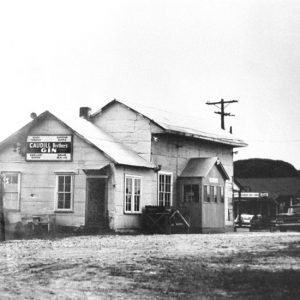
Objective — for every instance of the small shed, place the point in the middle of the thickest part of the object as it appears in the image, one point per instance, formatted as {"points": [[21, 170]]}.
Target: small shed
{"points": [[201, 188]]}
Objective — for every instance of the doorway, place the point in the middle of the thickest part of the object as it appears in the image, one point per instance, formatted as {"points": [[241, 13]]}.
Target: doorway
{"points": [[190, 200], [96, 215]]}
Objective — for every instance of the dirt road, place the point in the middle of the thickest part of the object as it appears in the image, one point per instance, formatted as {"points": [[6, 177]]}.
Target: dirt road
{"points": [[238, 265]]}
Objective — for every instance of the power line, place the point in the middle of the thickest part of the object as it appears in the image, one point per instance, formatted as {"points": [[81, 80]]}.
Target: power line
{"points": [[222, 109]]}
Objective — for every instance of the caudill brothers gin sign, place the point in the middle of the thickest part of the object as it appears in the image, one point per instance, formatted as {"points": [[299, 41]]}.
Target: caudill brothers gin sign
{"points": [[49, 148]]}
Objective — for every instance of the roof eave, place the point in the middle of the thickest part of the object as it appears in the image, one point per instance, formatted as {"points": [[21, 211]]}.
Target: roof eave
{"points": [[211, 139], [152, 167], [222, 170]]}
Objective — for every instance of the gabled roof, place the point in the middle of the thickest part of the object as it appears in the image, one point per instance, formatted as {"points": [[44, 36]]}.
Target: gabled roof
{"points": [[93, 135], [179, 124], [200, 167], [280, 186]]}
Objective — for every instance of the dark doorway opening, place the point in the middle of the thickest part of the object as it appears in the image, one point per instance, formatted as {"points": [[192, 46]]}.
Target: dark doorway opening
{"points": [[96, 211]]}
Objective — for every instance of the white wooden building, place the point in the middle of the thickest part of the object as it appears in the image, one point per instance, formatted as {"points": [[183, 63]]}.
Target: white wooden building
{"points": [[102, 169]]}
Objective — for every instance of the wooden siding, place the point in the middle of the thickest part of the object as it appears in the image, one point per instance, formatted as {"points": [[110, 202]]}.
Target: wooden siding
{"points": [[203, 216], [173, 153], [123, 221], [169, 151], [129, 127], [213, 219], [39, 178], [192, 211]]}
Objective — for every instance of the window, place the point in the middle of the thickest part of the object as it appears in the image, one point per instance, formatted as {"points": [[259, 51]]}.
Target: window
{"points": [[11, 195], [206, 193], [64, 183], [220, 194], [164, 189], [215, 194], [212, 192], [132, 194], [191, 193]]}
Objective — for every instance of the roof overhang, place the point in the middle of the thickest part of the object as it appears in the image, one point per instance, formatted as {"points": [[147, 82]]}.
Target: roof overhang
{"points": [[201, 166], [224, 141], [94, 166]]}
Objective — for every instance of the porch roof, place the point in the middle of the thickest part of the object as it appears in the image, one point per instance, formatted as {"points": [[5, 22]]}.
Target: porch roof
{"points": [[96, 166], [200, 167]]}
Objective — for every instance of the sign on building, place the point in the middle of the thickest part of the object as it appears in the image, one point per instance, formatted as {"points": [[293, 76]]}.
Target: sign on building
{"points": [[213, 180], [49, 148], [251, 195]]}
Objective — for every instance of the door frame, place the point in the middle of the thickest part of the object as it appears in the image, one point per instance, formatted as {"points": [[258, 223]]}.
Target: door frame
{"points": [[196, 207], [105, 200]]}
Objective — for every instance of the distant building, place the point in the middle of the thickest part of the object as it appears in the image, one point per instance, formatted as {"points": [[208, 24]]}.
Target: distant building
{"points": [[266, 196], [101, 170]]}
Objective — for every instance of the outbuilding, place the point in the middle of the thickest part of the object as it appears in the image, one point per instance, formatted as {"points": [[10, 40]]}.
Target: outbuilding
{"points": [[201, 193]]}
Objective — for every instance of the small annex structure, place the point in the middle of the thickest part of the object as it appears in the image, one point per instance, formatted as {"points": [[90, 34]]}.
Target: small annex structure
{"points": [[201, 185], [101, 170]]}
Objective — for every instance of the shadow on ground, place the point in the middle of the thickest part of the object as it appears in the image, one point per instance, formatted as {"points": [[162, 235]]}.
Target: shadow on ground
{"points": [[241, 276]]}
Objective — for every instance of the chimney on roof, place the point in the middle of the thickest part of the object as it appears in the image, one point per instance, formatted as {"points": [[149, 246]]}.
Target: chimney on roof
{"points": [[84, 112], [33, 115]]}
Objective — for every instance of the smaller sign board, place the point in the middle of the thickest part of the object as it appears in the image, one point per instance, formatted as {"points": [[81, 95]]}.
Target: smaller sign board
{"points": [[251, 195], [49, 148], [213, 180]]}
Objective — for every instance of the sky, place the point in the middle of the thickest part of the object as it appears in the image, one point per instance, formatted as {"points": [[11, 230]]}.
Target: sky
{"points": [[175, 55]]}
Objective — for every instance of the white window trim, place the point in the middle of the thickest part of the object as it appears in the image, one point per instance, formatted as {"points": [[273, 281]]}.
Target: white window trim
{"points": [[19, 189], [171, 192], [132, 211], [71, 209]]}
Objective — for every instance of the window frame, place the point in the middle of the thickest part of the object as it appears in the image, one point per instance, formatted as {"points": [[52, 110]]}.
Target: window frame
{"points": [[56, 208], [207, 193], [191, 190], [215, 196], [220, 193], [4, 173], [211, 193], [164, 173], [133, 178]]}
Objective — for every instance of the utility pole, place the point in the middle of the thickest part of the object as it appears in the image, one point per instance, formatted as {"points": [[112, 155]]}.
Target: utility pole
{"points": [[222, 109]]}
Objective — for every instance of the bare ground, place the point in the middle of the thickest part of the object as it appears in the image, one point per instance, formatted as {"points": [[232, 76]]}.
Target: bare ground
{"points": [[259, 265]]}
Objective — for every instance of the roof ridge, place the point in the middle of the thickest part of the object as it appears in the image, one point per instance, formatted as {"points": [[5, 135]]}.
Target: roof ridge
{"points": [[183, 124]]}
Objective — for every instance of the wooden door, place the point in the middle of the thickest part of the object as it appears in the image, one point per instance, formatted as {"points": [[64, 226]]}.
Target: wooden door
{"points": [[191, 201], [96, 202]]}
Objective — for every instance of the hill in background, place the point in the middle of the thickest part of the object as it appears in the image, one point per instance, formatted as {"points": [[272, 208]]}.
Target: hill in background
{"points": [[264, 168]]}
